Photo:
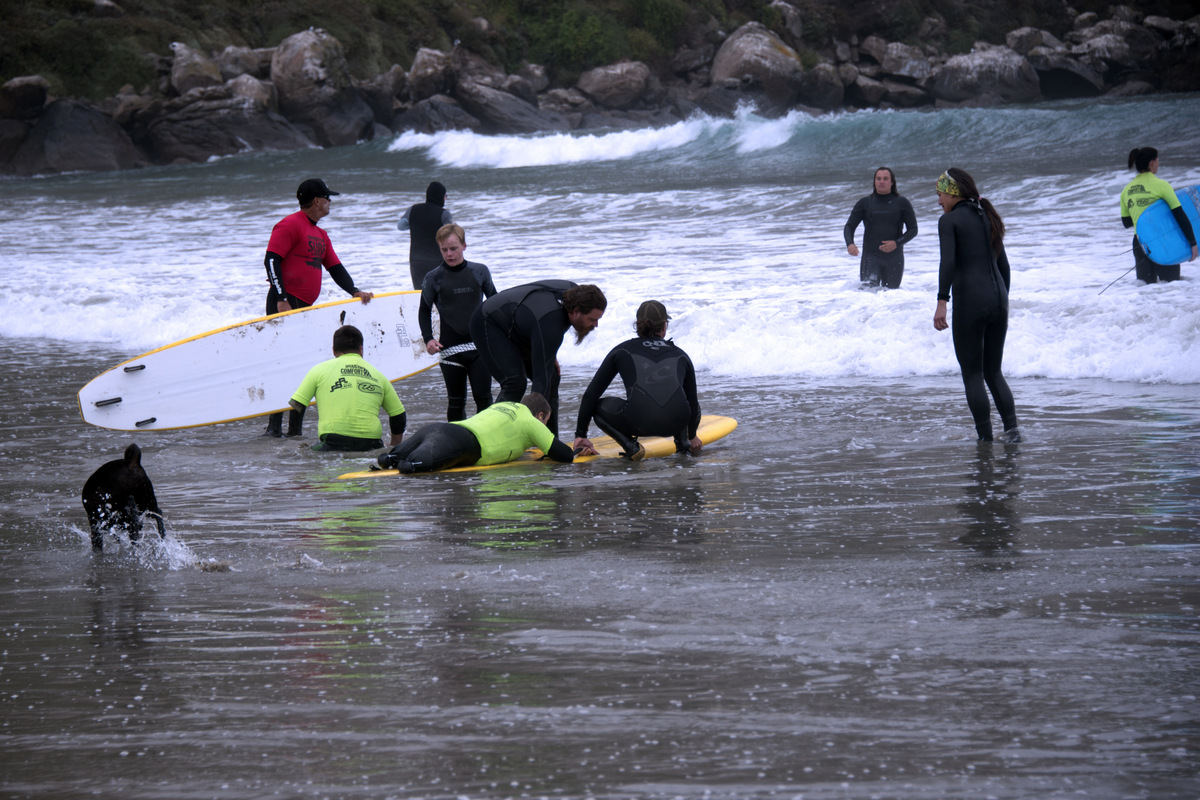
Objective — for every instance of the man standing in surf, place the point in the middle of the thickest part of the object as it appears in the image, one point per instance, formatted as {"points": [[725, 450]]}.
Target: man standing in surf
{"points": [[518, 332], [889, 223], [296, 253]]}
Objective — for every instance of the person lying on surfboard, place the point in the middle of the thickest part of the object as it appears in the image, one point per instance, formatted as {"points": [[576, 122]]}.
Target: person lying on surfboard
{"points": [[350, 392], [660, 391], [498, 434]]}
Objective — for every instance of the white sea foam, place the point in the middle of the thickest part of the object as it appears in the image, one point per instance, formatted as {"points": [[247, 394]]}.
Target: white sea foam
{"points": [[733, 223]]}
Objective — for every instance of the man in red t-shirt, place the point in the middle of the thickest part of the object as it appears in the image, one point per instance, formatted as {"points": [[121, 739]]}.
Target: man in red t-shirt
{"points": [[296, 254]]}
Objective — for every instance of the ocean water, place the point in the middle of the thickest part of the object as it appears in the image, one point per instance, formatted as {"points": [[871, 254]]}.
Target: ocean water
{"points": [[846, 598]]}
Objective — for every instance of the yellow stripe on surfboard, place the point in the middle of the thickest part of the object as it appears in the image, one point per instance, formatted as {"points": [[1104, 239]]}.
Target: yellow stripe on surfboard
{"points": [[711, 429]]}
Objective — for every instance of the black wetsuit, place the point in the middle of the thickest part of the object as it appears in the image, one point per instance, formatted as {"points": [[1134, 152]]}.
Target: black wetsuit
{"points": [[887, 217], [457, 292], [660, 389], [517, 333], [977, 277], [424, 254]]}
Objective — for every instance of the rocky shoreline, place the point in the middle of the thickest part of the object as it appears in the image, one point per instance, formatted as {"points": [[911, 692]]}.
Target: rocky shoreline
{"points": [[300, 94]]}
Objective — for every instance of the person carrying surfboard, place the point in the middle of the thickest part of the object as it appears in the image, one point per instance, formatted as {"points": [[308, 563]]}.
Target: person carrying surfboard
{"points": [[518, 332], [498, 434], [456, 288], [296, 252], [349, 393], [660, 391], [1138, 195]]}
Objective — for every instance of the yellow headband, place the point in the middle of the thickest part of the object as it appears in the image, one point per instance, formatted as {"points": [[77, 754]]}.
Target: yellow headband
{"points": [[946, 185]]}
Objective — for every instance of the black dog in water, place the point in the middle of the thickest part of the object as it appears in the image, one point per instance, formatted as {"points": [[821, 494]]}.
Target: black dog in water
{"points": [[117, 494]]}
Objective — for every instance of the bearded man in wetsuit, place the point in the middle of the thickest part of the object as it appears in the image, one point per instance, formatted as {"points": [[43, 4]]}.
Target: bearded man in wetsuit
{"points": [[890, 223], [518, 332], [296, 253], [456, 288], [422, 221], [660, 391], [498, 434]]}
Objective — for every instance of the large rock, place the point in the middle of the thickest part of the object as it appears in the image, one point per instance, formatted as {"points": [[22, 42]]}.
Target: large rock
{"points": [[192, 70], [12, 134], [616, 86], [431, 73], [437, 113], [383, 93], [215, 121], [905, 61], [312, 83], [822, 87], [1022, 40], [24, 97], [754, 56], [502, 112], [1062, 76], [989, 69], [255, 62], [71, 136], [865, 92], [793, 21]]}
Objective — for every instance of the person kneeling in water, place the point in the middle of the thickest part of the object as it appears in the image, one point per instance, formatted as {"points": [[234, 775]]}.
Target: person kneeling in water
{"points": [[498, 434], [660, 389]]}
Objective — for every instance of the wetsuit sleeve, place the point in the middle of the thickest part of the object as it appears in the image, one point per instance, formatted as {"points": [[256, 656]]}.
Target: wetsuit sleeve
{"points": [[561, 452], [1002, 263], [274, 264], [485, 281], [689, 389], [425, 311], [544, 341], [447, 217], [909, 218], [856, 218], [946, 264], [403, 224], [342, 278], [397, 423], [600, 382], [1185, 225], [1126, 221]]}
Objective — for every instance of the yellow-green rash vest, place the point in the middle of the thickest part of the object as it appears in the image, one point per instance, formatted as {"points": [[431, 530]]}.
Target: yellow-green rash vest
{"points": [[1142, 192], [349, 393], [504, 431]]}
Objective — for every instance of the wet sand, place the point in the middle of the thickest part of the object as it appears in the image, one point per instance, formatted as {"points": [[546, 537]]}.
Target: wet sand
{"points": [[847, 598]]}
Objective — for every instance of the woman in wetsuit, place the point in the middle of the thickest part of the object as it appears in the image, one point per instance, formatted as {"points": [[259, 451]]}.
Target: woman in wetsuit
{"points": [[1138, 195], [974, 269]]}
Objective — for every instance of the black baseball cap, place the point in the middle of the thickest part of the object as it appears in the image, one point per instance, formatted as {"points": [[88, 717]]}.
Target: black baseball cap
{"points": [[313, 187], [653, 313]]}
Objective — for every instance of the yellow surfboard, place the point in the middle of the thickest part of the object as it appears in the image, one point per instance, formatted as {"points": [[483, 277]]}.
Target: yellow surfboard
{"points": [[711, 429]]}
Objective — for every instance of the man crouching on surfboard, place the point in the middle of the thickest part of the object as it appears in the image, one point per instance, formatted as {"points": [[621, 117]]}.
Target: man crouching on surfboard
{"points": [[296, 253], [498, 434], [350, 392]]}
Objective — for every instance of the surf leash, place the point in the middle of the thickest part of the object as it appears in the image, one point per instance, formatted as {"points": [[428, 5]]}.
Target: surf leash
{"points": [[444, 355], [1123, 274]]}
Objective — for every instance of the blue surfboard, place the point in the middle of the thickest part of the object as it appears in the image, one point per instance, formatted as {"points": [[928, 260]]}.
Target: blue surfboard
{"points": [[1159, 233]]}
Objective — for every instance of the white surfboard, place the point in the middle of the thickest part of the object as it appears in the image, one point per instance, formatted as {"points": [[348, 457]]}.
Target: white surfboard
{"points": [[251, 368]]}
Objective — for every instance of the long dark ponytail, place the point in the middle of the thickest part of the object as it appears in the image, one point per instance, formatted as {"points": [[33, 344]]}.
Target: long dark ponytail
{"points": [[1140, 158], [966, 185]]}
